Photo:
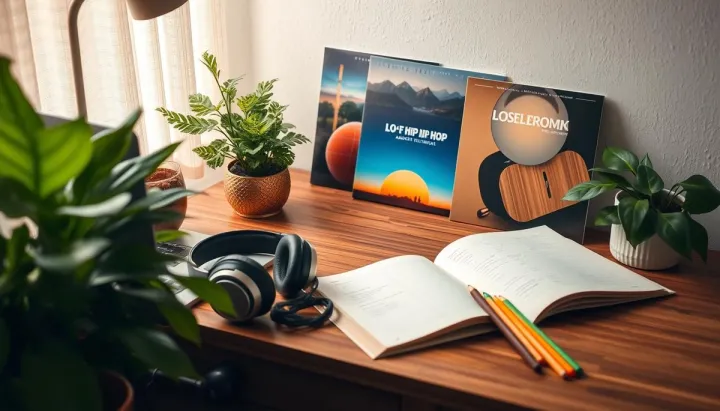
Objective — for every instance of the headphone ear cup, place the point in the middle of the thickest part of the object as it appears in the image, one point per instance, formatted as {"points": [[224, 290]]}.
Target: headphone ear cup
{"points": [[224, 273], [290, 273]]}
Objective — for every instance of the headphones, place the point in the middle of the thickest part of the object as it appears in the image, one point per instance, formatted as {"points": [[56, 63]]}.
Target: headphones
{"points": [[251, 289]]}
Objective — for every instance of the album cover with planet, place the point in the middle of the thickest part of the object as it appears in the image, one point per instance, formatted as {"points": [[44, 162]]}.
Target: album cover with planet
{"points": [[521, 149], [410, 134], [340, 111]]}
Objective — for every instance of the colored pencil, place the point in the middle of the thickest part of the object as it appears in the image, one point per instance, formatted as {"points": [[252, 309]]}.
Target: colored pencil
{"points": [[553, 360], [515, 330], [575, 366], [505, 330]]}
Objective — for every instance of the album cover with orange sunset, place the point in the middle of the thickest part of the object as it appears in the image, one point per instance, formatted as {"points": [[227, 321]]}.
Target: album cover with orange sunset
{"points": [[410, 134], [340, 111], [521, 149]]}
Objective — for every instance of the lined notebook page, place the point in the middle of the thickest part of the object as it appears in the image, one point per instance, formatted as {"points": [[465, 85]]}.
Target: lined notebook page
{"points": [[400, 299], [536, 267]]}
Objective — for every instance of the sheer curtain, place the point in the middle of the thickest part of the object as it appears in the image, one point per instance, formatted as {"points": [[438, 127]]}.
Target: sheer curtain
{"points": [[126, 63]]}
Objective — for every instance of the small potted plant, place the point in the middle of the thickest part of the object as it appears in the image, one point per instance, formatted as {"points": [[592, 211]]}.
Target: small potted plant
{"points": [[82, 298], [256, 140], [652, 227]]}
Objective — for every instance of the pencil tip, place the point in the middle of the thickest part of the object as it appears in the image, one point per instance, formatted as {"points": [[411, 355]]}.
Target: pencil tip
{"points": [[470, 288]]}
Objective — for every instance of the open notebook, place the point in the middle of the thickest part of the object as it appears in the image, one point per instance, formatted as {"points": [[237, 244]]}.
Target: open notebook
{"points": [[409, 302]]}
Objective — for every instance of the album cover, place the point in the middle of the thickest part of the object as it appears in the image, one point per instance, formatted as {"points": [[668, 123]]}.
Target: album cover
{"points": [[410, 134], [340, 111], [522, 148]]}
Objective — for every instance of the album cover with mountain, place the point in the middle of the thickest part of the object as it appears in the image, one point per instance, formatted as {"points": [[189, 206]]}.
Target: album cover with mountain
{"points": [[340, 111], [410, 134], [522, 148]]}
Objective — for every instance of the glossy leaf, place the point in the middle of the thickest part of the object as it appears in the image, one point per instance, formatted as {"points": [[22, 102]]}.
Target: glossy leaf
{"points": [[16, 200], [67, 381], [80, 252], [588, 190], [129, 172], [619, 159], [135, 259], [637, 218], [701, 195], [607, 216], [648, 180], [4, 344], [157, 350], [674, 228], [15, 108], [108, 149], [165, 236], [611, 176], [646, 161], [698, 238], [157, 199], [211, 293], [109, 207]]}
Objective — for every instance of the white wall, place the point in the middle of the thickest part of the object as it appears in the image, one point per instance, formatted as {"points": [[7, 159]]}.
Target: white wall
{"points": [[658, 62]]}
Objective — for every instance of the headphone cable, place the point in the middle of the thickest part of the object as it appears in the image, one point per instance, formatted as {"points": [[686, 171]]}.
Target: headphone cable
{"points": [[286, 312]]}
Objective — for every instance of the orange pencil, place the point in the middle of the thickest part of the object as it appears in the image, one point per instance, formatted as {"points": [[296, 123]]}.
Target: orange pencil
{"points": [[554, 361], [514, 329]]}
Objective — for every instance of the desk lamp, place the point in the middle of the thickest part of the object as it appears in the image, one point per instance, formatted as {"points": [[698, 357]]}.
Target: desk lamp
{"points": [[140, 10]]}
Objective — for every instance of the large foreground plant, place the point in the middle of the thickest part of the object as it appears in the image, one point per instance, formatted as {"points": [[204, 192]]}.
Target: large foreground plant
{"points": [[646, 208], [256, 137], [84, 294]]}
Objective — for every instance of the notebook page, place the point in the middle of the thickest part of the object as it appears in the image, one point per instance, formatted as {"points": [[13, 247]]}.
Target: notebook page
{"points": [[400, 299], [535, 267]]}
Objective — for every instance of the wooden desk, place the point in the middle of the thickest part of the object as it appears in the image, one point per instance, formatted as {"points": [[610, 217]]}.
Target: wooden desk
{"points": [[648, 355]]}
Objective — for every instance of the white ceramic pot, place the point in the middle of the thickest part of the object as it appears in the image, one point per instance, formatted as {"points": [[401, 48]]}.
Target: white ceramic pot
{"points": [[651, 254]]}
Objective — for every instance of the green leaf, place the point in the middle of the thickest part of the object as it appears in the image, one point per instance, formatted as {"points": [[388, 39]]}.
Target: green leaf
{"points": [[157, 350], [135, 259], [165, 236], [15, 109], [214, 153], [209, 61], [188, 124], [648, 181], [646, 161], [637, 218], [156, 199], [200, 104], [611, 176], [127, 173], [16, 200], [4, 344], [607, 216], [100, 277], [67, 381], [698, 238], [80, 252], [212, 293], [109, 207], [619, 159], [46, 160], [588, 190], [181, 319], [108, 149], [701, 196], [674, 228]]}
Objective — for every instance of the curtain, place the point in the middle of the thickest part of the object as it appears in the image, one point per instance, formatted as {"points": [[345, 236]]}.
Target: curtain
{"points": [[126, 64]]}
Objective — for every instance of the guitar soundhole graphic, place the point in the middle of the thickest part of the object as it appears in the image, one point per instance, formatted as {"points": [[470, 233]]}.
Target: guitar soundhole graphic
{"points": [[547, 185]]}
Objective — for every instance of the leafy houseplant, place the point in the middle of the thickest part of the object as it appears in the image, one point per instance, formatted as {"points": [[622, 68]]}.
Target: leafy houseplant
{"points": [[83, 296], [645, 208], [256, 139]]}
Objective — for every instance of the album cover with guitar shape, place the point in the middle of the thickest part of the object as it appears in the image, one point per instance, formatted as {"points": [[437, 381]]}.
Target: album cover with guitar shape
{"points": [[339, 119], [521, 149], [410, 134]]}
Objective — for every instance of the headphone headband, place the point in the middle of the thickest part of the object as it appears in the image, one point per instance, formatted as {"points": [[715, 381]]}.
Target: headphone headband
{"points": [[231, 242]]}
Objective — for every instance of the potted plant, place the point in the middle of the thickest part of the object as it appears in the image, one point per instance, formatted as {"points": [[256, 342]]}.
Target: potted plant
{"points": [[256, 140], [652, 227], [81, 298]]}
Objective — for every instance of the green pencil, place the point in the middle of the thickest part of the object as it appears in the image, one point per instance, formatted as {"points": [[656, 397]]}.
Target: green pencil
{"points": [[573, 364]]}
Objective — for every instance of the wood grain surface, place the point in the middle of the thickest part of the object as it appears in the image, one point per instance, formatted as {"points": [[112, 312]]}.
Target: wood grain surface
{"points": [[529, 192], [660, 354]]}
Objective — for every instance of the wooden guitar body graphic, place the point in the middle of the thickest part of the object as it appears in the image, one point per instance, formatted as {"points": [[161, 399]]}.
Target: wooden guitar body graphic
{"points": [[529, 192]]}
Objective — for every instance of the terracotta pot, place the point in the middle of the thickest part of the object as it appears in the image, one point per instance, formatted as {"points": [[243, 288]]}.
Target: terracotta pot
{"points": [[257, 197], [118, 394], [651, 254]]}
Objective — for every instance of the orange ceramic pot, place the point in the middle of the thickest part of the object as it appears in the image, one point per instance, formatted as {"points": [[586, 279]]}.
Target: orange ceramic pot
{"points": [[257, 197]]}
